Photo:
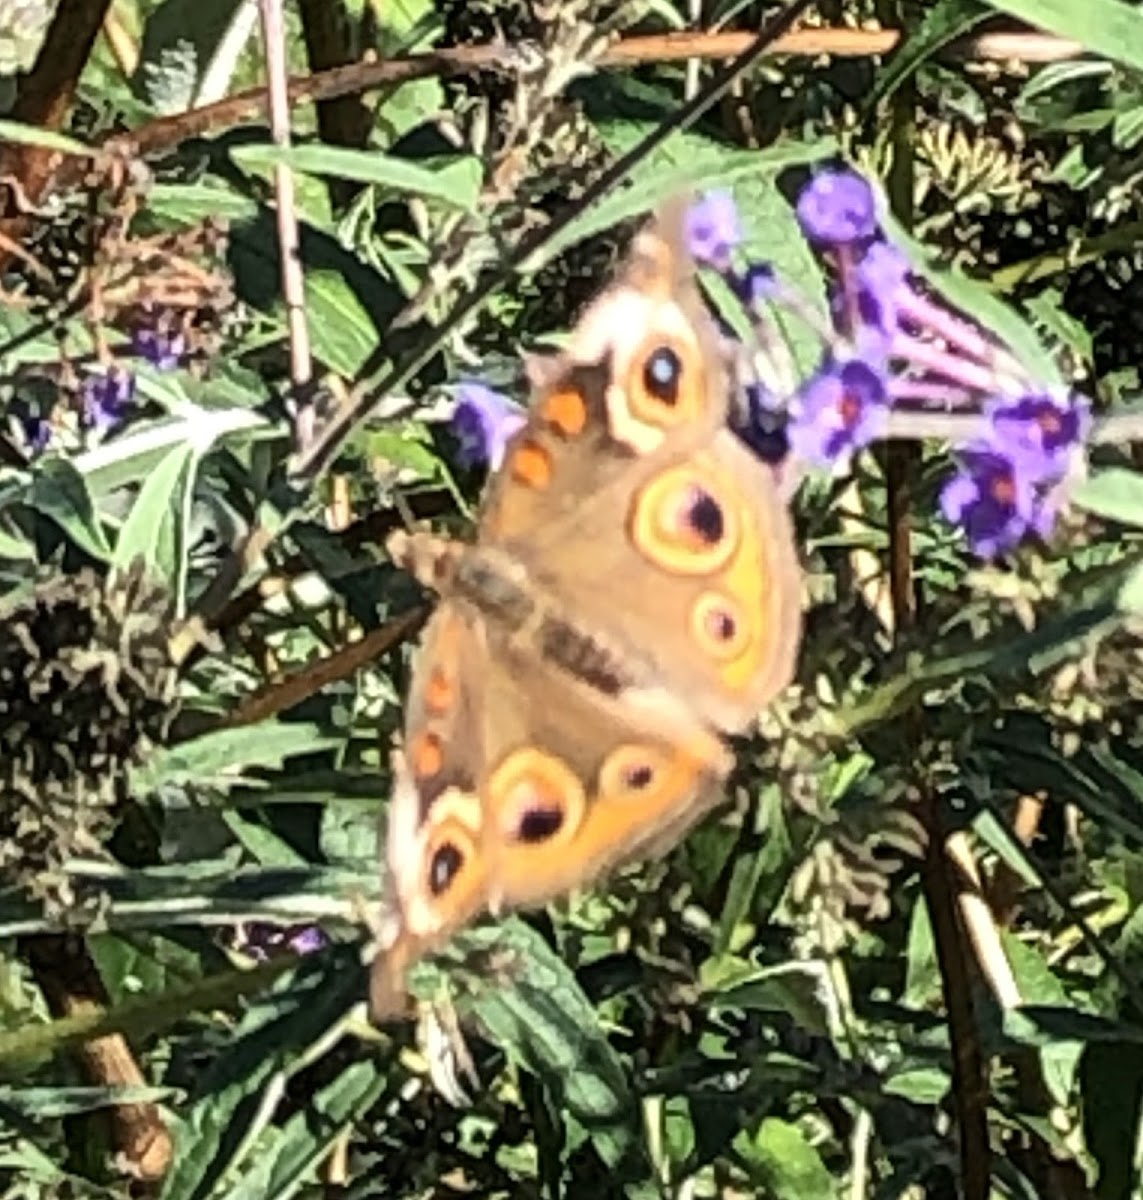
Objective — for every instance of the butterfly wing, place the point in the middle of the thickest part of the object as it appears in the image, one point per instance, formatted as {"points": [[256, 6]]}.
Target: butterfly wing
{"points": [[518, 784], [628, 500]]}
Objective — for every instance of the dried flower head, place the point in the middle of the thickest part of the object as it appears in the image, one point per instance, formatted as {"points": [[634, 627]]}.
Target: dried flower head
{"points": [[87, 686]]}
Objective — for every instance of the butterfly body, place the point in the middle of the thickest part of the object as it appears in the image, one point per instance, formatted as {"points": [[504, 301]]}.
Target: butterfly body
{"points": [[632, 597]]}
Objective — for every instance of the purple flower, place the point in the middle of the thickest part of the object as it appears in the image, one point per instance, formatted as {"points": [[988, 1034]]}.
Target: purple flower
{"points": [[880, 280], [262, 941], [107, 397], [484, 421], [994, 502], [843, 407], [306, 940], [1040, 431], [162, 350], [837, 208], [757, 284], [712, 229]]}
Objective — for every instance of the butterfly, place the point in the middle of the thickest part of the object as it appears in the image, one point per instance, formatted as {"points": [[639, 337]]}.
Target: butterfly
{"points": [[632, 598]]}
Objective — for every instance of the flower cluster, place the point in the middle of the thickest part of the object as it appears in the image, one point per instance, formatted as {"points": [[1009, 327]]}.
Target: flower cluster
{"points": [[892, 356], [106, 396], [894, 363], [1009, 482]]}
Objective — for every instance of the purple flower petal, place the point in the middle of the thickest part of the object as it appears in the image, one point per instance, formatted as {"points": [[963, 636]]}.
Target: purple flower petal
{"points": [[1040, 430], [757, 284], [992, 500], [162, 350], [712, 229], [307, 940], [37, 433], [107, 397], [880, 279], [484, 422], [837, 208], [844, 407]]}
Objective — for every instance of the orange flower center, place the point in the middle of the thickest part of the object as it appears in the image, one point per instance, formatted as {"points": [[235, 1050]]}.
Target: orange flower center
{"points": [[849, 406], [1049, 421], [1004, 490]]}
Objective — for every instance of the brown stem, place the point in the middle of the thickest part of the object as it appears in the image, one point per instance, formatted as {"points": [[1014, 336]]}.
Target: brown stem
{"points": [[70, 982], [44, 100], [295, 688], [164, 133], [942, 884]]}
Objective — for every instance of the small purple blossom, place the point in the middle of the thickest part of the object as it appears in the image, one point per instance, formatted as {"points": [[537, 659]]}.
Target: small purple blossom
{"points": [[844, 407], [164, 351], [837, 208], [306, 940], [994, 502], [107, 397], [712, 229], [1040, 431], [484, 421], [880, 281], [758, 284], [262, 941]]}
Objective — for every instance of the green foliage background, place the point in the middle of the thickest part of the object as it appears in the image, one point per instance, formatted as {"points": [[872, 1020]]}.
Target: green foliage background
{"points": [[765, 1013]]}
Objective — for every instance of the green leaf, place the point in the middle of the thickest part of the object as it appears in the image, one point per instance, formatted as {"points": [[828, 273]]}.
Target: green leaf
{"points": [[1131, 593], [782, 1160], [923, 976], [219, 1133], [545, 1024], [940, 24], [407, 446], [131, 457], [342, 332], [1109, 27], [32, 135], [156, 527], [797, 989], [289, 1156], [1114, 493], [1043, 1025], [22, 1046], [60, 492], [223, 758], [188, 203], [455, 182], [1038, 986], [45, 1103], [921, 1085]]}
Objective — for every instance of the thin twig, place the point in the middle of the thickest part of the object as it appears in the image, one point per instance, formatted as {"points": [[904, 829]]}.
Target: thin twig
{"points": [[63, 967], [980, 924], [938, 874], [245, 107], [311, 678], [165, 133], [293, 281]]}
